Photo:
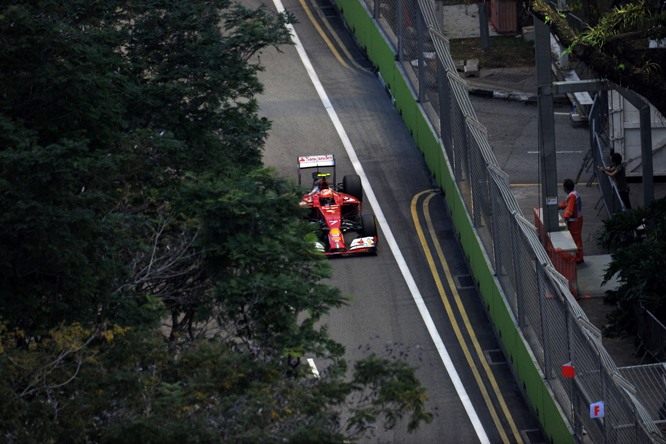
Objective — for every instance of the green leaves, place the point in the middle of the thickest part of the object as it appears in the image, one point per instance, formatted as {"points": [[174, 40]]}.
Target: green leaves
{"points": [[57, 246], [267, 275], [106, 109], [393, 390], [638, 240], [620, 20], [157, 284], [617, 44]]}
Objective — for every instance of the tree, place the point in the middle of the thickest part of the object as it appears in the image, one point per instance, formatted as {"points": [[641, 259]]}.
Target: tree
{"points": [[268, 288], [638, 241], [127, 385], [617, 47], [105, 109], [133, 195], [239, 377]]}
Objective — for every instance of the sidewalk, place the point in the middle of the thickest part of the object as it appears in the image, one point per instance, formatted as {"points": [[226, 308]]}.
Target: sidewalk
{"points": [[519, 84], [462, 21]]}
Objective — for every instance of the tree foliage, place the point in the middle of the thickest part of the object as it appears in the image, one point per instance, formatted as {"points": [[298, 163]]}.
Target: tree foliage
{"points": [[156, 283], [105, 110], [617, 48], [638, 240]]}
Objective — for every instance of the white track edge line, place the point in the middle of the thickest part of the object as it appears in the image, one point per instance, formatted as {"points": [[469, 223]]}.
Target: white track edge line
{"points": [[402, 264]]}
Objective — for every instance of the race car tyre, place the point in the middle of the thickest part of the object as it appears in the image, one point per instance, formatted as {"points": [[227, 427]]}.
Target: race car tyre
{"points": [[351, 184], [369, 223]]}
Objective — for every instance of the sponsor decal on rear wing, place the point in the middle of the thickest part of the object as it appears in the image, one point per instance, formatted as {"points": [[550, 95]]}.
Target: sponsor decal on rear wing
{"points": [[323, 160]]}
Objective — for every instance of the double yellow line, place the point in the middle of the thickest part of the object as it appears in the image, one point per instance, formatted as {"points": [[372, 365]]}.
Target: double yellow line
{"points": [[332, 32], [463, 315]]}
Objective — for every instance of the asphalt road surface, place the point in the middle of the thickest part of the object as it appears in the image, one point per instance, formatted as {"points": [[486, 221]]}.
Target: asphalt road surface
{"points": [[415, 298], [515, 140]]}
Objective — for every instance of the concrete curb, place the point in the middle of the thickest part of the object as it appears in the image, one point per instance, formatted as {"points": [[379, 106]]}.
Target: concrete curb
{"points": [[515, 96], [504, 95]]}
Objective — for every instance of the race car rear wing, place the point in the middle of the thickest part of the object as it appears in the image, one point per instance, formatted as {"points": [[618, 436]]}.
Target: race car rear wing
{"points": [[326, 161], [323, 160]]}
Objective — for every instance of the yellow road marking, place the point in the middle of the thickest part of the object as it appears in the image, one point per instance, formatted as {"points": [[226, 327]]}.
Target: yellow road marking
{"points": [[323, 35], [337, 39], [463, 314], [468, 324]]}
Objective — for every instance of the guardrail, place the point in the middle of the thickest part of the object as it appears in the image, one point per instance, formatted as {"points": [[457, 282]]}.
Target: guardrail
{"points": [[539, 323]]}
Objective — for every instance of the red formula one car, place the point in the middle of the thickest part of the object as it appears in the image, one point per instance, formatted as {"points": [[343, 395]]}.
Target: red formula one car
{"points": [[337, 210]]}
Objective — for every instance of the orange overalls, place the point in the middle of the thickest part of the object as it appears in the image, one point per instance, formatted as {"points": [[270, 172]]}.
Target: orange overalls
{"points": [[573, 215]]}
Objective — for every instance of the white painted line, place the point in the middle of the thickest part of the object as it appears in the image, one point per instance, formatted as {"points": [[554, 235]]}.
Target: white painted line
{"points": [[407, 275], [313, 367]]}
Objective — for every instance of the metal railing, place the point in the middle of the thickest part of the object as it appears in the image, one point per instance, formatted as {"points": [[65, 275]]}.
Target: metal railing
{"points": [[554, 326], [601, 153], [651, 332], [652, 335]]}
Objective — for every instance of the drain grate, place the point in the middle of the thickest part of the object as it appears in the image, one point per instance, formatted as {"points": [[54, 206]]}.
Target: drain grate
{"points": [[328, 12], [495, 357], [534, 436], [464, 281]]}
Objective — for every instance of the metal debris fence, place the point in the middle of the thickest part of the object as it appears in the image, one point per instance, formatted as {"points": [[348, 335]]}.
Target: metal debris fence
{"points": [[553, 324]]}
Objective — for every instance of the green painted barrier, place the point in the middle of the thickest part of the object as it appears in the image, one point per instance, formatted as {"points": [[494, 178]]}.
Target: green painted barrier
{"points": [[524, 366]]}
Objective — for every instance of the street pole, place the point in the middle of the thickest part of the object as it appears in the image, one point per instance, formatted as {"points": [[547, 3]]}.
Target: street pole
{"points": [[547, 155], [483, 26]]}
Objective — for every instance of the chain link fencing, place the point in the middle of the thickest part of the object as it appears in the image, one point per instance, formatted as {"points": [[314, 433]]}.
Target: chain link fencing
{"points": [[554, 326]]}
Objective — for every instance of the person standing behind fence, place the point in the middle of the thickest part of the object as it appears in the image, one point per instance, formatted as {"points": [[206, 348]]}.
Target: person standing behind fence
{"points": [[618, 173], [573, 215]]}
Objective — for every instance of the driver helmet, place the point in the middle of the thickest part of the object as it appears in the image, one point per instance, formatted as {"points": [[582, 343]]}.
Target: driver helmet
{"points": [[326, 197]]}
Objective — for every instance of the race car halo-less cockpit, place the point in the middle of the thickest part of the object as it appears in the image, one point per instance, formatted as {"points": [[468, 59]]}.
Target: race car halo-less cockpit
{"points": [[343, 229]]}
